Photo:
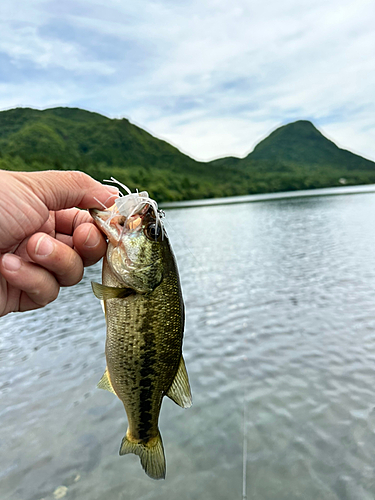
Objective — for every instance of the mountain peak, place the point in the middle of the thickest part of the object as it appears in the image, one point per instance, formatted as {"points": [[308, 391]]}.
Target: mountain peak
{"points": [[300, 123], [301, 128], [298, 142]]}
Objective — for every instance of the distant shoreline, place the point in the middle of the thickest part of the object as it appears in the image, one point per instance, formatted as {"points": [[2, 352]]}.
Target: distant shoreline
{"points": [[251, 198]]}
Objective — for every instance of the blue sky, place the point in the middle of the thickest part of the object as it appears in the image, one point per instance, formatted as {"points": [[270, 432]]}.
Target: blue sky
{"points": [[212, 77]]}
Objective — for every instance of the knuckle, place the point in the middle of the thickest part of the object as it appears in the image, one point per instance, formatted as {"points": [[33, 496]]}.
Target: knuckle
{"points": [[46, 294], [72, 271], [54, 294], [81, 217], [68, 260], [43, 301], [78, 178]]}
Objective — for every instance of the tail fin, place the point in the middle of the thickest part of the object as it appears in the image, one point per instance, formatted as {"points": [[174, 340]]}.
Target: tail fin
{"points": [[151, 455]]}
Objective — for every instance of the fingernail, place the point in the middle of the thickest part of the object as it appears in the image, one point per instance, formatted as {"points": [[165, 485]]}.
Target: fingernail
{"points": [[11, 262], [92, 239], [113, 190], [45, 246]]}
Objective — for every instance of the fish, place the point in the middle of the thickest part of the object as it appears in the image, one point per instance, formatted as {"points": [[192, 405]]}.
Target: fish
{"points": [[144, 312]]}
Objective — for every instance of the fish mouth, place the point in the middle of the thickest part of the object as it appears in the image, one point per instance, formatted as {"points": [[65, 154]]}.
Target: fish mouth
{"points": [[114, 225], [126, 216], [120, 230], [102, 219]]}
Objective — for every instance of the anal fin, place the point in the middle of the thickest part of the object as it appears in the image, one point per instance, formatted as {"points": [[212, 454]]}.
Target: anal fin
{"points": [[105, 382], [180, 391]]}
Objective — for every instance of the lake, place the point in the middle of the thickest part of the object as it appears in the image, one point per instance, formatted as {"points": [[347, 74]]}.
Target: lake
{"points": [[280, 350]]}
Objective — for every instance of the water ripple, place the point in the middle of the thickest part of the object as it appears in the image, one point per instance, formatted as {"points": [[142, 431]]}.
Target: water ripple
{"points": [[280, 317]]}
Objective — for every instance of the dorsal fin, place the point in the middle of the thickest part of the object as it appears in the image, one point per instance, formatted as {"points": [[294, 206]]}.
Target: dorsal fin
{"points": [[180, 391]]}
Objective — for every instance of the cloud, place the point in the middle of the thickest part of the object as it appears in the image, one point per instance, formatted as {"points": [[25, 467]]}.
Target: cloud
{"points": [[211, 77]]}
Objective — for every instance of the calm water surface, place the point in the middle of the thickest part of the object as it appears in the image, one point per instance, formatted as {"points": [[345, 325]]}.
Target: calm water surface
{"points": [[280, 300]]}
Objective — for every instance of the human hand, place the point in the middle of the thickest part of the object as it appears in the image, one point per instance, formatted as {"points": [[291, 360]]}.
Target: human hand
{"points": [[45, 242]]}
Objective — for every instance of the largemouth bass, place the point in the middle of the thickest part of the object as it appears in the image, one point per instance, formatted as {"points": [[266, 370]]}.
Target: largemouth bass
{"points": [[144, 311]]}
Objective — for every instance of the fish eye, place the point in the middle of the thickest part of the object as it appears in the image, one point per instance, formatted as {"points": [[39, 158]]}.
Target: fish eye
{"points": [[153, 231]]}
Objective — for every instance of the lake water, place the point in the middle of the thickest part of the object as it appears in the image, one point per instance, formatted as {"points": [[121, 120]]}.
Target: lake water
{"points": [[280, 300]]}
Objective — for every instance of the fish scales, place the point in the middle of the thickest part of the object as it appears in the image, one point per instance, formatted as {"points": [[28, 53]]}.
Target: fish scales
{"points": [[136, 344], [144, 313]]}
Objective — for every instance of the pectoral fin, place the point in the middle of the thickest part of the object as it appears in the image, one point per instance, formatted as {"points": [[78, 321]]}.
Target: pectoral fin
{"points": [[104, 292], [180, 391], [105, 382]]}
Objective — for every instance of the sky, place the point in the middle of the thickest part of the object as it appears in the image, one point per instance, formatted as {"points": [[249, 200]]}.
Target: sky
{"points": [[212, 77]]}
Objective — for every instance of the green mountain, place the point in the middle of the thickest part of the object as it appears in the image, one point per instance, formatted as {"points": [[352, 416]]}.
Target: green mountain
{"points": [[71, 138], [301, 143], [298, 156], [295, 156]]}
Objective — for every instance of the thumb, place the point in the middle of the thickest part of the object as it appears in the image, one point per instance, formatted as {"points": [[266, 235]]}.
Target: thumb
{"points": [[67, 189]]}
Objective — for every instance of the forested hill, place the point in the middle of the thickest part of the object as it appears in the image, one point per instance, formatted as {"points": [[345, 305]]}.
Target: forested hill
{"points": [[295, 156], [300, 143], [71, 138]]}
